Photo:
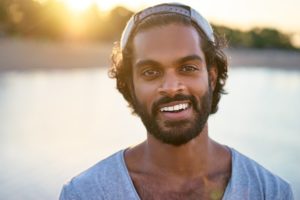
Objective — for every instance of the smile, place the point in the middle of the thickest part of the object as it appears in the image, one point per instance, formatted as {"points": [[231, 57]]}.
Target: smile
{"points": [[175, 108]]}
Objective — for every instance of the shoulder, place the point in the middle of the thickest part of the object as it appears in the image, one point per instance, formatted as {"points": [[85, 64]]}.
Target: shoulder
{"points": [[95, 182], [246, 166], [251, 178]]}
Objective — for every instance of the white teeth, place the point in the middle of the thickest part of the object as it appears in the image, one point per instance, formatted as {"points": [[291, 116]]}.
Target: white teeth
{"points": [[177, 107]]}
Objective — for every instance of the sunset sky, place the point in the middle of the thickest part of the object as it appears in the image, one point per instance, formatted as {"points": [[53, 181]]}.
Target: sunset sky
{"points": [[242, 14]]}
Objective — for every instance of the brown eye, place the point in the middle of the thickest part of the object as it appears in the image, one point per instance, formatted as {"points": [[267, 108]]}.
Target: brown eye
{"points": [[189, 68], [151, 73]]}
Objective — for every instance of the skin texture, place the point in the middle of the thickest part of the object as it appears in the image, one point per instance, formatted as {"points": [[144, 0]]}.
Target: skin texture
{"points": [[155, 73], [169, 61]]}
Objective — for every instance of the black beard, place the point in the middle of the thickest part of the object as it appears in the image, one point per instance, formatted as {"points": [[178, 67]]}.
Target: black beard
{"points": [[179, 132]]}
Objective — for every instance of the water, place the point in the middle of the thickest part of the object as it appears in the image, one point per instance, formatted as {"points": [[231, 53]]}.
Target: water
{"points": [[55, 124]]}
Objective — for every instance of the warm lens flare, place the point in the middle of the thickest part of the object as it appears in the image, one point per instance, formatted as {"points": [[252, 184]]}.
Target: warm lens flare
{"points": [[78, 5], [82, 5], [224, 14]]}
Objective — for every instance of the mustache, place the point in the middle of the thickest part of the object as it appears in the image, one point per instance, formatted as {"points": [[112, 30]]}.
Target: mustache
{"points": [[178, 97]]}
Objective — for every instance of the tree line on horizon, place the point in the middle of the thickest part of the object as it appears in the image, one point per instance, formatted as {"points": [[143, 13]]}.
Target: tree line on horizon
{"points": [[53, 20]]}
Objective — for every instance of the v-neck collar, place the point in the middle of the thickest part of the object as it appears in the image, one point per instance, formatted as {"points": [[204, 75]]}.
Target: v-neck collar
{"points": [[133, 189]]}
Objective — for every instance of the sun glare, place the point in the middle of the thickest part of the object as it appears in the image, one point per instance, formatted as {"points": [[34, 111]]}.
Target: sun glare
{"points": [[78, 5], [110, 4], [82, 5]]}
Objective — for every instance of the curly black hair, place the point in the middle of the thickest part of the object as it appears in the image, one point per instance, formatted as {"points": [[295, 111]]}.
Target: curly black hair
{"points": [[121, 68]]}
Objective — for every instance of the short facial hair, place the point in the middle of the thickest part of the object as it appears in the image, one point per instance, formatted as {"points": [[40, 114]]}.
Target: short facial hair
{"points": [[179, 132]]}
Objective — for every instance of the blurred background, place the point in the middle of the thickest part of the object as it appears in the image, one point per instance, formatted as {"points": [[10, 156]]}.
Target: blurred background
{"points": [[60, 113]]}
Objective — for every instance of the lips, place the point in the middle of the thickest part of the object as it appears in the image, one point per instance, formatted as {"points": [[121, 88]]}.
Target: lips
{"points": [[175, 111], [174, 107]]}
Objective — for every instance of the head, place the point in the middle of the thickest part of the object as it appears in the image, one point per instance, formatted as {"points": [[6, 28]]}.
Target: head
{"points": [[124, 58]]}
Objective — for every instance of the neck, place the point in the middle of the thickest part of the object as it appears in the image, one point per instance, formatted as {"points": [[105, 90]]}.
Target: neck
{"points": [[194, 158]]}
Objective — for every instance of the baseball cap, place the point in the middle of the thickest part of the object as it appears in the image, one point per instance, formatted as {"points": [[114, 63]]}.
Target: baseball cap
{"points": [[176, 8]]}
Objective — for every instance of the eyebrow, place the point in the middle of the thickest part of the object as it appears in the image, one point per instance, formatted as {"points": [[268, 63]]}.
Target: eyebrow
{"points": [[189, 58], [146, 62]]}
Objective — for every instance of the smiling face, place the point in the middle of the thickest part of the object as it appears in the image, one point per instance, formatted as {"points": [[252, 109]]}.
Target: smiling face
{"points": [[171, 84]]}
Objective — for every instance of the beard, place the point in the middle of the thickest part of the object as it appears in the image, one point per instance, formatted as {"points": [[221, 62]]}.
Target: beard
{"points": [[176, 132]]}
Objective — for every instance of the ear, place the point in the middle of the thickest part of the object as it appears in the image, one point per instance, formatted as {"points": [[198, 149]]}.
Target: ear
{"points": [[133, 101], [131, 87], [213, 76]]}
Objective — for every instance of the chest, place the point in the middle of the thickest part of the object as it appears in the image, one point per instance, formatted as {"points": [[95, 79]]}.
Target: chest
{"points": [[151, 187]]}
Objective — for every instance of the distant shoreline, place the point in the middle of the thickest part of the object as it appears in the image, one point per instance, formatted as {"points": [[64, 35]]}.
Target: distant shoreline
{"points": [[270, 58], [24, 54]]}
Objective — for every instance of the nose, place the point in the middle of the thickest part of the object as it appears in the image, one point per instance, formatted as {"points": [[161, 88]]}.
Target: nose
{"points": [[171, 85]]}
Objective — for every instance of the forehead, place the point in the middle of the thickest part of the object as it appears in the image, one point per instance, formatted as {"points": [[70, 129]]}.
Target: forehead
{"points": [[167, 42]]}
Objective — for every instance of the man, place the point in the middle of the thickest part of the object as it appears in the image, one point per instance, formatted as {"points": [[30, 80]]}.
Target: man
{"points": [[170, 68]]}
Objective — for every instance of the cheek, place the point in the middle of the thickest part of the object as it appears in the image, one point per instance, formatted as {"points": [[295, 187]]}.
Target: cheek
{"points": [[145, 94], [198, 87]]}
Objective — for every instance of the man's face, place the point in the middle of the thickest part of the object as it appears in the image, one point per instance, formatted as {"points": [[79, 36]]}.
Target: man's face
{"points": [[171, 86]]}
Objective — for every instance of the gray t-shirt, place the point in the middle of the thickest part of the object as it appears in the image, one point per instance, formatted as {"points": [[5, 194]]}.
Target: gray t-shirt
{"points": [[109, 179]]}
